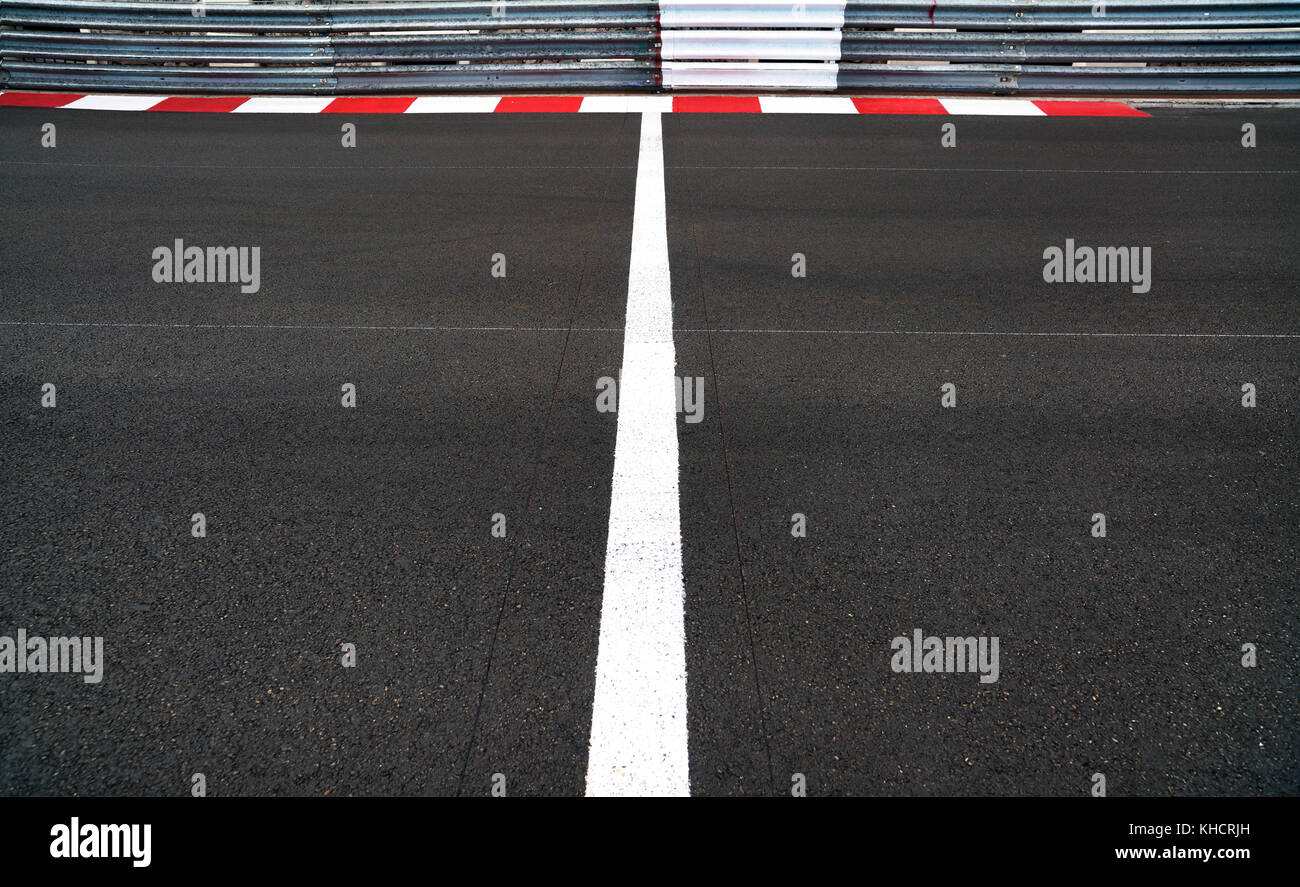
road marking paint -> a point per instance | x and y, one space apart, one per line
603 104
212 104
534 104
115 102
625 104
643 103
638 719
35 99
1077 108
350 104
454 104
288 104
718 75
994 107
898 106
807 104
716 104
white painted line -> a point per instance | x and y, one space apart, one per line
807 104
114 102
454 104
638 719
287 104
992 107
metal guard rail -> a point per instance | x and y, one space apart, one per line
1135 47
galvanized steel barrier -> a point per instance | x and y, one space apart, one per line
1133 47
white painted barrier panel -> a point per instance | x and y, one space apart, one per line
819 76
751 13
793 45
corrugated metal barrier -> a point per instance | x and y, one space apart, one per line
1133 47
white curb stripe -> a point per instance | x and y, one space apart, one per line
626 104
806 104
454 104
638 719
114 103
291 104
993 107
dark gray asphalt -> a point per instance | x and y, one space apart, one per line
368 526
1118 655
477 396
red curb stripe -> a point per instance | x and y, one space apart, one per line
369 105
569 104
218 104
899 106
716 104
538 103
36 99
1089 109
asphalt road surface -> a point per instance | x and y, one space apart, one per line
478 408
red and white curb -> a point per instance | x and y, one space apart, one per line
612 104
